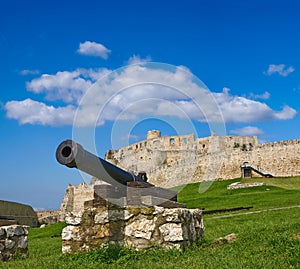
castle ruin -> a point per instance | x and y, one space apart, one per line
176 160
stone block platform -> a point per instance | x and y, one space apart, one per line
134 226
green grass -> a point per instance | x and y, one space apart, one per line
279 192
270 239
289 183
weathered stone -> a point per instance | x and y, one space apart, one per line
23 242
105 216
139 243
127 215
114 215
101 217
67 232
172 214
226 239
239 185
73 218
66 249
2 232
14 230
158 210
13 240
9 244
25 229
140 228
171 232
101 231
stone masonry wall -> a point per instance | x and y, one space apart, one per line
49 216
74 199
176 160
13 241
137 227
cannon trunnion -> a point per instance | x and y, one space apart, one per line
121 184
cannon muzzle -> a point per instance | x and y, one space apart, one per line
71 154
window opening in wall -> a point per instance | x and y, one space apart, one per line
203 146
184 140
172 140
136 146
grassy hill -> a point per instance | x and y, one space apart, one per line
278 192
269 237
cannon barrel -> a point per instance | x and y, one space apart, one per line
73 155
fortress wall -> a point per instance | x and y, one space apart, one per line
171 161
82 193
49 216
280 158
75 196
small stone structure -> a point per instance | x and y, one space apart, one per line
133 226
13 241
249 169
239 185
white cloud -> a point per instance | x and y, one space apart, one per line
136 90
247 131
136 59
93 49
264 96
280 69
240 109
66 86
132 137
29 72
33 112
285 114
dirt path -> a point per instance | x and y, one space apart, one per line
253 212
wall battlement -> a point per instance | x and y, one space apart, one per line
178 160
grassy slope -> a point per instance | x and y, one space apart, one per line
278 192
265 240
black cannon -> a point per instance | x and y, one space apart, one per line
73 155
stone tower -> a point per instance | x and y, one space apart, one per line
153 134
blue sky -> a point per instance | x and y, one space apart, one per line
52 52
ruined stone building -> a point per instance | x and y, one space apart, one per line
176 160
